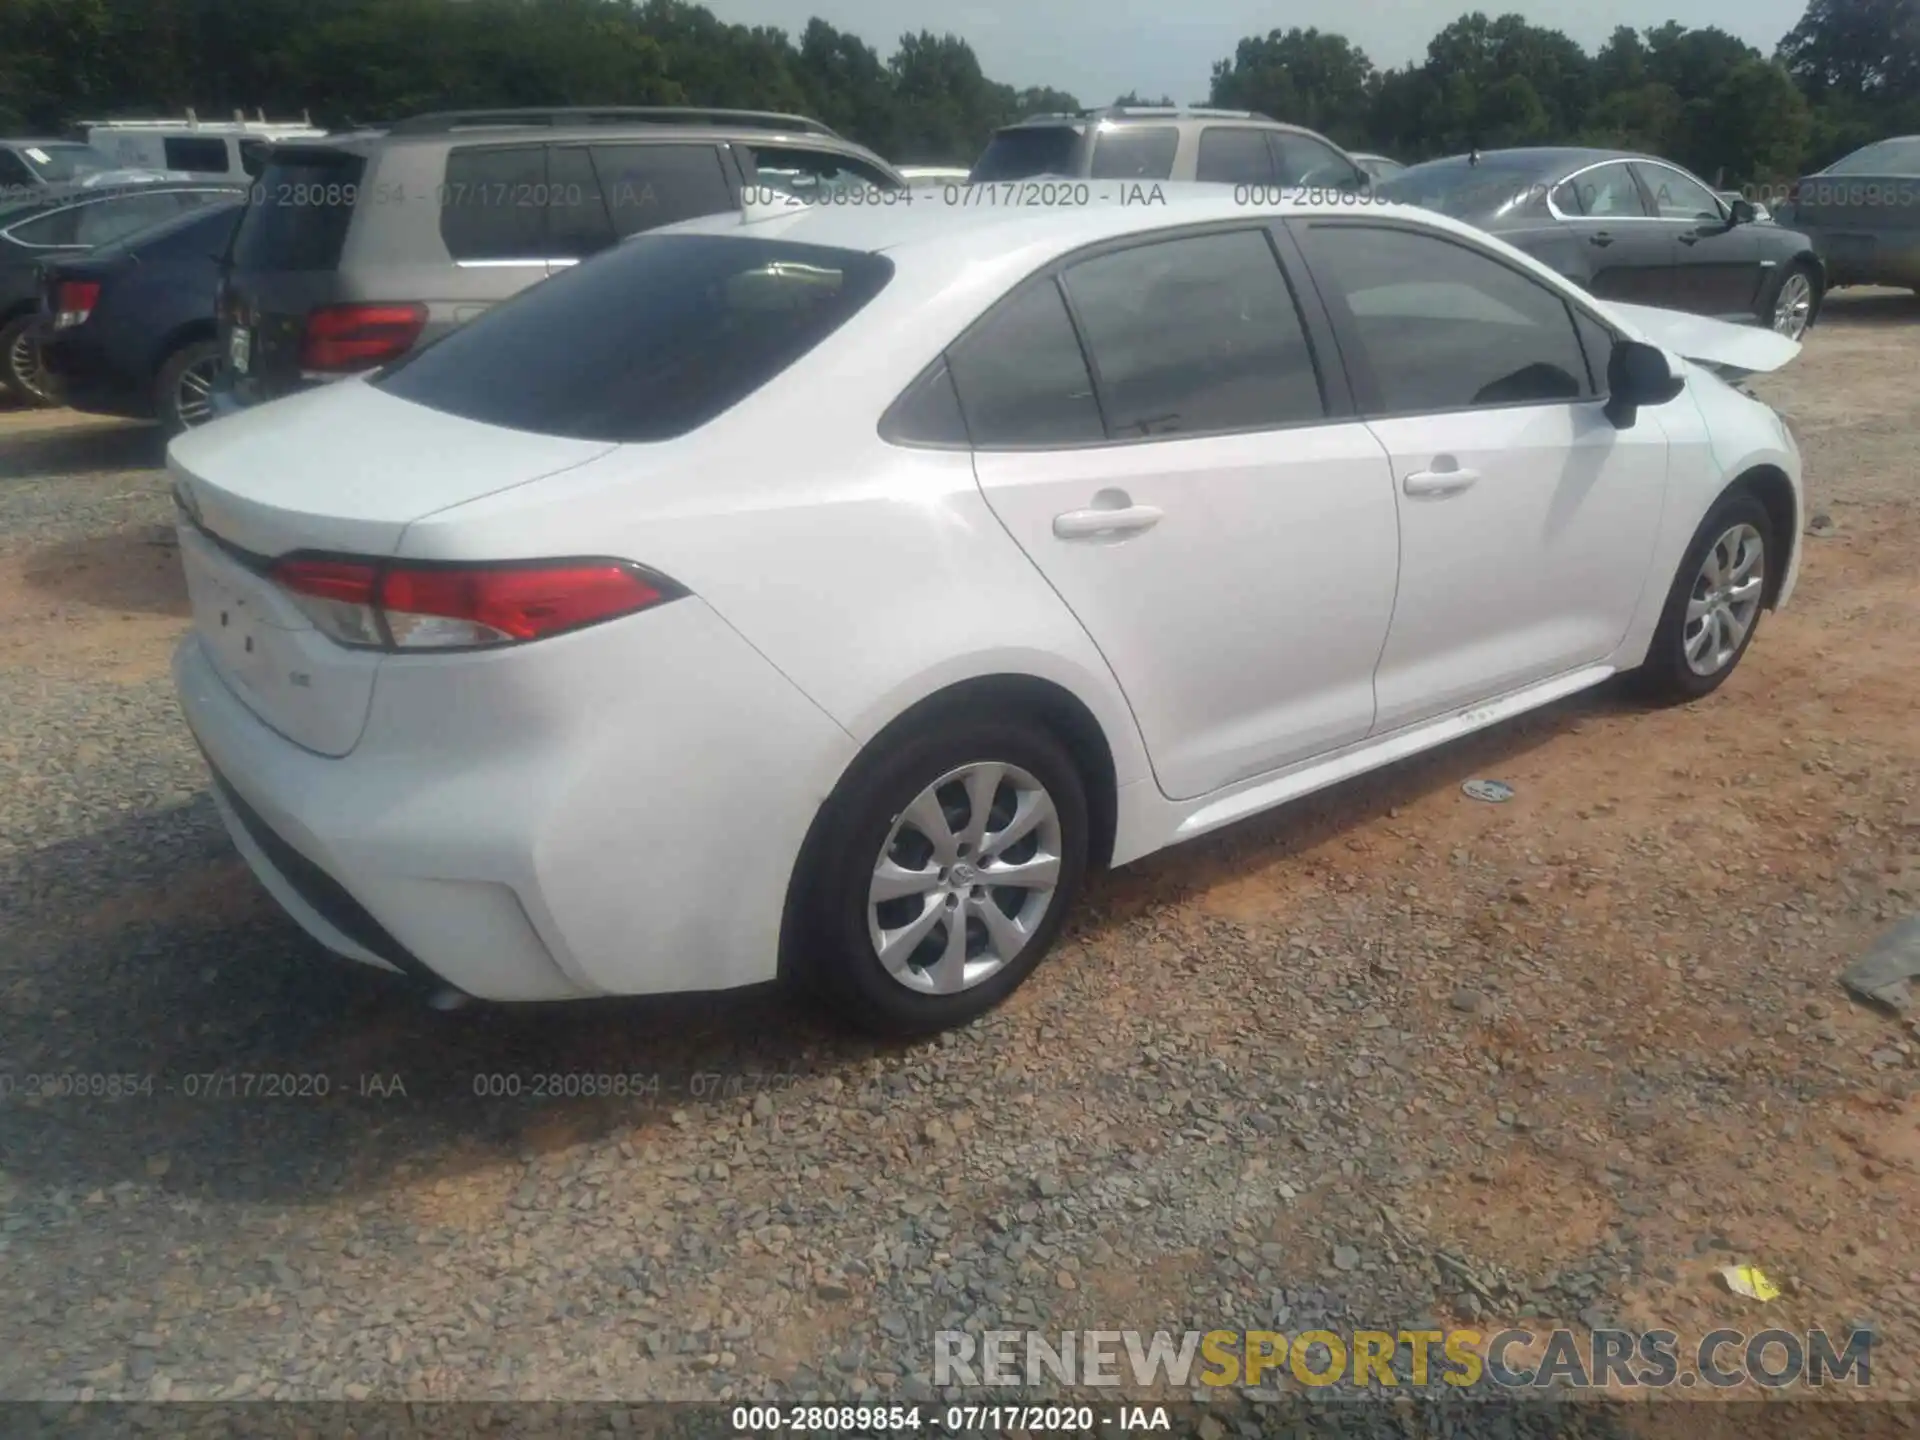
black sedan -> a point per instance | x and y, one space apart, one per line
1628 227
130 330
63 223
1863 212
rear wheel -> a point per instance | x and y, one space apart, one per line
22 374
944 869
1790 308
1714 606
183 390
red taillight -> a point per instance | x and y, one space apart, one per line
423 607
358 337
73 302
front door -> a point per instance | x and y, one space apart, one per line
1527 520
1717 264
1226 535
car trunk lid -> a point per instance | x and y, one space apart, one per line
342 470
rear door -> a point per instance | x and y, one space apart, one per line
648 185
1203 500
1716 264
1237 155
1629 256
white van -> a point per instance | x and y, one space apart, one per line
193 146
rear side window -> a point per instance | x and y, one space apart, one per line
652 185
494 203
1022 380
109 220
1441 326
1025 151
1135 152
577 221
1234 155
197 235
190 152
652 340
299 211
1195 335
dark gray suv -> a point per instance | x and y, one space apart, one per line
357 248
1153 142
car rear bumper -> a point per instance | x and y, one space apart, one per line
537 842
1866 257
81 375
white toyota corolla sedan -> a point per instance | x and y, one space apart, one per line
823 595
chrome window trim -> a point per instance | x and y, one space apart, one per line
1555 211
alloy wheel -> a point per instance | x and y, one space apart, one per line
965 877
193 396
24 367
1725 600
1793 306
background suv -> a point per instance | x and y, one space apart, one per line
358 247
1138 142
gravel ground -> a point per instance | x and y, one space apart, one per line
1392 1055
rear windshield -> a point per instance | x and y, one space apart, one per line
648 341
1025 151
1883 157
298 211
1453 187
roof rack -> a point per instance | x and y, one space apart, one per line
440 122
1114 112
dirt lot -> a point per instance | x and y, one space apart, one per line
1390 1056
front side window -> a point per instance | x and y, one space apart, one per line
654 339
1135 152
1303 160
1441 326
195 152
577 221
1021 378
1195 335
1677 196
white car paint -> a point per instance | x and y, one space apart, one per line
619 809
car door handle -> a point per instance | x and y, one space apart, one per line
1603 239
1692 237
1439 482
1122 520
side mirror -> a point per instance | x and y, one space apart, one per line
1743 212
1637 375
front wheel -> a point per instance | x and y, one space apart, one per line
1714 606
944 869
1790 309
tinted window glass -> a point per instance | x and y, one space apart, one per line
1303 160
1467 192
1195 335
197 235
816 176
299 211
1602 191
651 185
195 153
577 221
253 156
65 161
55 227
1235 155
1020 153
13 172
651 340
1021 376
1677 196
494 204
1444 327
928 413
1597 342
1883 157
109 220
1135 152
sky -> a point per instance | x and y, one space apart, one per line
1100 49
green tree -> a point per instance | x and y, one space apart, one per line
1305 77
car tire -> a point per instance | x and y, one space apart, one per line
885 813
20 377
1703 632
183 388
1798 278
